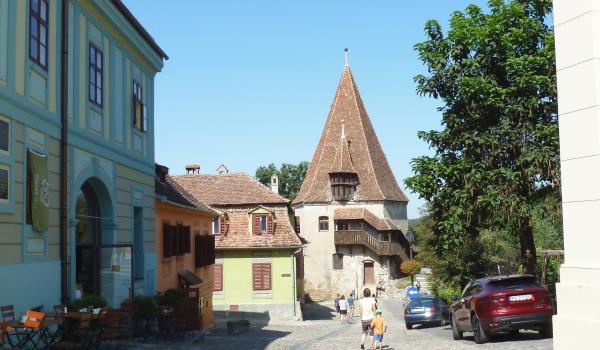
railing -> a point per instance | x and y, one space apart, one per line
360 237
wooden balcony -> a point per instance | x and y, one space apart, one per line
360 237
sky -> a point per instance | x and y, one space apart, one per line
250 83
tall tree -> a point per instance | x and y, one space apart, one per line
498 151
290 176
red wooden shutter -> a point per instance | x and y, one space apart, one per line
222 225
261 276
256 224
187 239
270 223
218 278
167 251
297 224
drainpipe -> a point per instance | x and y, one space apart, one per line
295 317
64 100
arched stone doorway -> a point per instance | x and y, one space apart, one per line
93 230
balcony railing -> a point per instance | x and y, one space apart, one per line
360 237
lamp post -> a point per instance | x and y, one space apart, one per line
410 237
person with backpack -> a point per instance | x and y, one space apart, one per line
367 306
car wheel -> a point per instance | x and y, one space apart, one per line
478 332
456 334
547 332
513 332
409 326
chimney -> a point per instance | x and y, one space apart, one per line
193 169
275 183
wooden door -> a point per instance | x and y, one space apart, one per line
369 273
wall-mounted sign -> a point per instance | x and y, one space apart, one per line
4 135
4 183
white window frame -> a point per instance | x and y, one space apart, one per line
216 226
263 220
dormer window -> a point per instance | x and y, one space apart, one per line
262 224
216 226
343 186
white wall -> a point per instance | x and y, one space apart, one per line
577 29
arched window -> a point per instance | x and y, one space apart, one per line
323 223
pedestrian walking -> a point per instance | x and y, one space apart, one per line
337 305
379 326
418 286
351 305
367 307
343 303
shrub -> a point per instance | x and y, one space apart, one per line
144 307
171 298
411 267
88 300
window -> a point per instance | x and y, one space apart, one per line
38 32
216 226
261 276
343 186
204 247
95 75
218 278
138 242
140 117
338 261
4 136
262 223
323 223
176 240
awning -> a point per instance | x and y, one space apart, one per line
187 277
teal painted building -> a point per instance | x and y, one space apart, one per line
110 229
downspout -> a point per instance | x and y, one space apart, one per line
64 100
294 315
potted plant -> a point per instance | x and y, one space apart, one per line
88 301
144 311
168 303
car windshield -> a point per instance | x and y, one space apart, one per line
513 283
421 303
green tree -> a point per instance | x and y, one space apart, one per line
497 154
290 176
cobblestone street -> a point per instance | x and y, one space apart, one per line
329 334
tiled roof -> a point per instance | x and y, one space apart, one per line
228 189
376 180
365 215
239 234
236 195
170 190
342 162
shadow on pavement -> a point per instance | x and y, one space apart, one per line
318 311
502 338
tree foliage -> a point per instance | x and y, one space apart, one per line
497 154
290 176
411 267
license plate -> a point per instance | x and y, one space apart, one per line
417 309
520 297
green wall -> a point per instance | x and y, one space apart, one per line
237 278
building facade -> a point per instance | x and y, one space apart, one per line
350 209
184 245
257 251
577 33
106 240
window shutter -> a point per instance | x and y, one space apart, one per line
210 244
222 226
297 224
270 224
187 246
198 251
256 224
218 278
261 276
167 251
256 277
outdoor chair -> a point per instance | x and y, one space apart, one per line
82 336
11 332
4 327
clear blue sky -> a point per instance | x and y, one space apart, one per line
250 82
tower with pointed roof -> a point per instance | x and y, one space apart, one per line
350 208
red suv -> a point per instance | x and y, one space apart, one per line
501 304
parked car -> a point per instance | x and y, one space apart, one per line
426 310
502 304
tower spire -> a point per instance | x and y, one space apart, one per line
346 56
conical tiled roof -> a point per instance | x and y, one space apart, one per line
363 152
